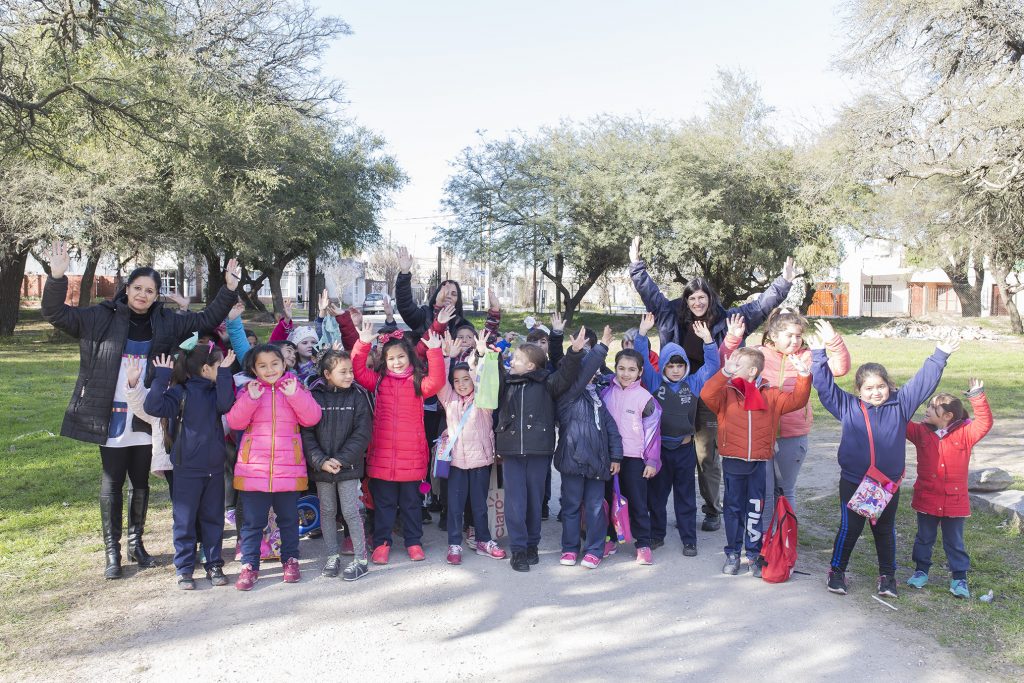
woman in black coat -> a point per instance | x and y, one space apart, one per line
132 325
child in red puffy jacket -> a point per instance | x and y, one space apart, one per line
944 440
397 459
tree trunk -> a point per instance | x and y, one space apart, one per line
572 301
313 295
249 291
12 275
274 276
1009 291
959 272
88 279
559 270
215 274
180 284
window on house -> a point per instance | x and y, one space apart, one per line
878 294
168 281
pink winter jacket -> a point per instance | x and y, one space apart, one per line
475 445
780 373
270 456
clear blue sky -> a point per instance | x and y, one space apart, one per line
429 75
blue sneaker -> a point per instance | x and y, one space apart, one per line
918 580
958 587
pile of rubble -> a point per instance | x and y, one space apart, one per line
915 329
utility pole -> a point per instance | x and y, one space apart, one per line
439 278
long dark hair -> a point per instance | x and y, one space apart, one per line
141 271
418 370
188 364
699 284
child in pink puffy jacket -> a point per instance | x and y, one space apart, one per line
271 467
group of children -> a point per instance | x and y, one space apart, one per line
354 421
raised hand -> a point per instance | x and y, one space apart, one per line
737 326
366 333
700 328
731 366
164 361
432 341
799 364
183 301
482 346
557 324
289 386
606 337
232 274
235 311
646 324
447 343
404 260
580 340
389 308
288 309
59 259
949 345
445 315
814 341
229 359
255 390
634 250
825 330
324 303
493 303
789 271
133 370
356 315
974 384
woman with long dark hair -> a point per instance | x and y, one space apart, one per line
134 324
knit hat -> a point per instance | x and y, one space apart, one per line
302 332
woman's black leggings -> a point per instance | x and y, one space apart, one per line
131 462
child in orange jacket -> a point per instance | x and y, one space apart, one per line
944 440
749 412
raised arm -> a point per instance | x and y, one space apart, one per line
925 381
834 399
755 312
69 319
366 377
225 385
161 400
589 366
651 377
436 376
236 331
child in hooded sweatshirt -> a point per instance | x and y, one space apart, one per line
589 453
749 412
677 392
638 417
271 469
944 440
874 422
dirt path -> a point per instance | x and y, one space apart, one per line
678 620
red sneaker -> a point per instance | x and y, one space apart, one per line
381 554
416 553
247 578
454 554
346 546
291 571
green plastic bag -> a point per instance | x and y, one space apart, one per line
487 387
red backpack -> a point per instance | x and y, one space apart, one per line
778 552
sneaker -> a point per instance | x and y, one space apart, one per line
315 533
918 580
381 554
216 576
489 549
887 586
454 554
745 561
186 582
356 569
427 519
567 560
657 543
416 553
230 517
247 578
332 566
644 556
545 513
519 562
732 564
532 556
590 561
346 546
711 523
689 550
837 581
291 571
755 569
610 548
958 587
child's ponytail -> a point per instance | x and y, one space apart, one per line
189 364
778 320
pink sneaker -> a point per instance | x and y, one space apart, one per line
346 546
490 549
291 571
643 556
590 561
416 553
610 548
568 559
247 578
454 554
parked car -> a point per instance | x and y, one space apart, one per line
373 303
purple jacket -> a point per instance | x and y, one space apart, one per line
641 434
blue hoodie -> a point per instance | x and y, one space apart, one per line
888 421
678 400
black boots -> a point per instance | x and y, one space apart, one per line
137 505
110 515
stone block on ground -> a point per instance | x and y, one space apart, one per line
988 480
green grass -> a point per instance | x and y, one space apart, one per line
986 632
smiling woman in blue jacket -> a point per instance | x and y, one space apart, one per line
887 410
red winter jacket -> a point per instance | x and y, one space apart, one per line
398 450
941 487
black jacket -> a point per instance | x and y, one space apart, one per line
343 432
101 331
526 408
198 446
588 437
418 318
